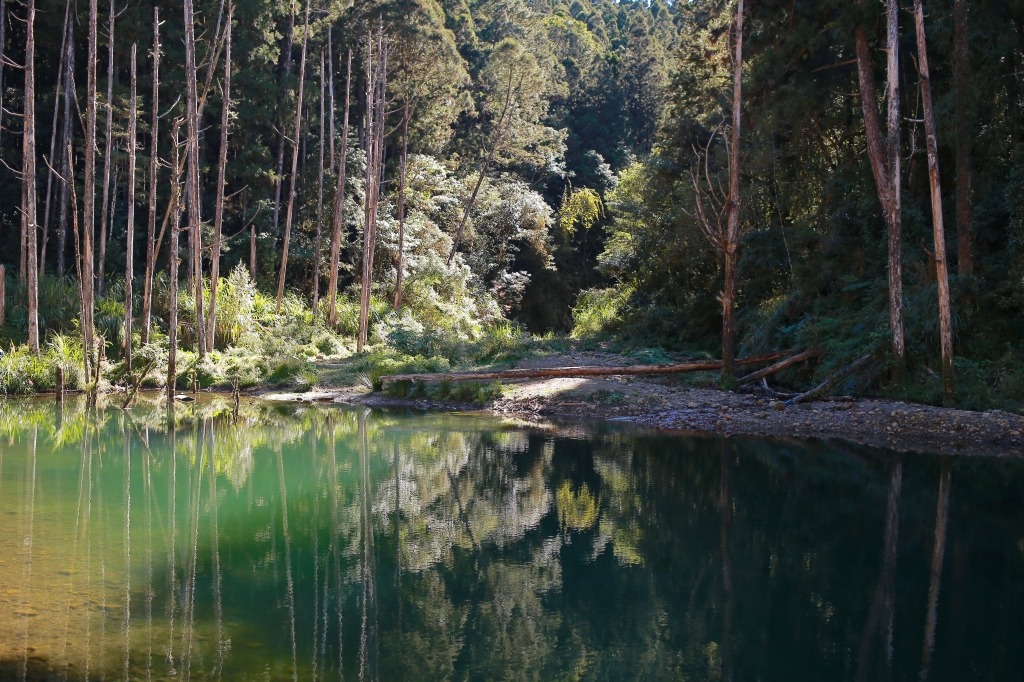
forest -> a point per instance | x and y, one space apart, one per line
208 192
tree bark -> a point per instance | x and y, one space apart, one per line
330 89
102 256
61 67
732 235
938 229
222 163
89 191
319 196
295 165
28 177
129 266
3 44
280 137
401 206
339 203
885 163
172 266
778 367
192 177
961 94
66 134
154 166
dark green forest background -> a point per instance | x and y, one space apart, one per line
618 97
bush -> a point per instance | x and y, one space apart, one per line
598 311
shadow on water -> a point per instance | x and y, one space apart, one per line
324 543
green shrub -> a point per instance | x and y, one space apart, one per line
598 311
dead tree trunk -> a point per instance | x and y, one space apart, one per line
376 90
172 266
79 260
961 94
28 177
102 256
129 266
3 37
885 162
295 162
280 137
319 197
330 89
154 166
68 171
222 164
339 204
192 177
401 205
732 236
61 67
89 190
938 229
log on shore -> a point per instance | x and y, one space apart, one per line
824 386
778 366
584 371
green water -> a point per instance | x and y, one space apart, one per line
296 542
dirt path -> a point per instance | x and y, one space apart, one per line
667 403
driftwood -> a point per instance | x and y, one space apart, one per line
586 371
823 386
778 366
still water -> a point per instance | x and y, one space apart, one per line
296 542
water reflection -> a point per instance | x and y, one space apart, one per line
290 542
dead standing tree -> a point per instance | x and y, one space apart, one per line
339 204
884 156
319 194
89 191
129 267
938 229
295 164
718 213
147 294
54 146
192 176
101 257
222 163
28 178
376 94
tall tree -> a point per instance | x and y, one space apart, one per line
400 266
54 146
3 44
339 204
330 88
938 230
192 176
295 162
319 195
154 166
89 190
885 161
732 236
28 177
280 137
172 266
129 266
66 121
963 134
107 154
222 163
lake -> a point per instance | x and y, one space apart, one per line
294 541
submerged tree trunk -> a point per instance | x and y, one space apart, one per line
938 229
885 163
339 204
280 137
66 133
192 177
28 177
129 267
401 205
147 294
319 197
102 256
295 162
961 90
222 163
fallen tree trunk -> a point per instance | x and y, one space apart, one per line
553 372
822 387
778 367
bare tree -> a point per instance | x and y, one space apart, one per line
172 265
938 230
295 162
281 137
319 197
330 88
222 163
885 162
961 95
154 165
61 66
376 95
28 177
3 44
129 267
192 175
102 256
400 266
89 192
339 204
69 95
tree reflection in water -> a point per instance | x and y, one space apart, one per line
476 548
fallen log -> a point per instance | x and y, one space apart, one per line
823 386
778 366
584 371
